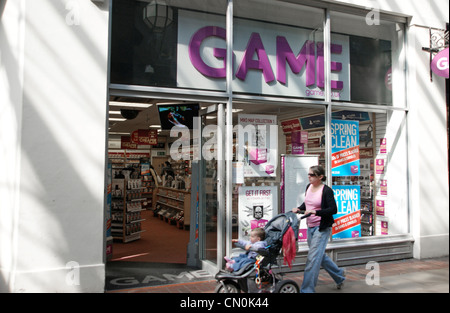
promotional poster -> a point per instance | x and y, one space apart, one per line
347 221
258 137
345 148
257 206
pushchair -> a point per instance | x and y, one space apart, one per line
259 277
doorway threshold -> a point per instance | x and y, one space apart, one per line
122 275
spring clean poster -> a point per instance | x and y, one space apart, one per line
347 221
345 148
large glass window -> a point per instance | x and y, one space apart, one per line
373 63
369 173
171 43
278 48
273 149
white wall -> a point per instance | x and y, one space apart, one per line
11 81
429 194
54 93
430 13
427 125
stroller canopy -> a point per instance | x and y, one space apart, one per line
282 232
277 227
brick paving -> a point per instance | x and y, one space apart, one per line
354 274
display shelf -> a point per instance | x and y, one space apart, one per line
126 209
173 206
148 190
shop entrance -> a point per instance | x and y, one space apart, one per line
150 193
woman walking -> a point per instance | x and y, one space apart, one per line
320 203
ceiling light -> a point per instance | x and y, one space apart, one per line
166 103
154 126
158 15
130 104
117 119
118 133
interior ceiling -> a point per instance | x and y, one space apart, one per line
149 116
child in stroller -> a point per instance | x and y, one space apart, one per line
256 242
281 234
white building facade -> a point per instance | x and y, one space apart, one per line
56 80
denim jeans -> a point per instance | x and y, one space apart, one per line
317 242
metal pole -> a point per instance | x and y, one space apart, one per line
220 186
327 71
229 130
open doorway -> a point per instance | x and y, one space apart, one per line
149 194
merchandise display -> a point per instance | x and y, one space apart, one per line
136 187
127 196
173 206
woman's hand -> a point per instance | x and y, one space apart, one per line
295 210
312 212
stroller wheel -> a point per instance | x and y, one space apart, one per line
230 287
287 286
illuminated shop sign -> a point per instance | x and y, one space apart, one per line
269 59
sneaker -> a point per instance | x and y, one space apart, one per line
341 284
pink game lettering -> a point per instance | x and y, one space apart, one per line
307 58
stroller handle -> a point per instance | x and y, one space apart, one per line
305 216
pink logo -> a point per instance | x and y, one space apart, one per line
439 65
310 56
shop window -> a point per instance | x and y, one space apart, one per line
372 70
271 135
369 174
368 163
278 49
153 46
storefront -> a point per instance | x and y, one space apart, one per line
258 91
350 116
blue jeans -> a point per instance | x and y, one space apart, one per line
317 242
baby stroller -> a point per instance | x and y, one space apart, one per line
259 277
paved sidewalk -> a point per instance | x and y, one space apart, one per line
405 276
